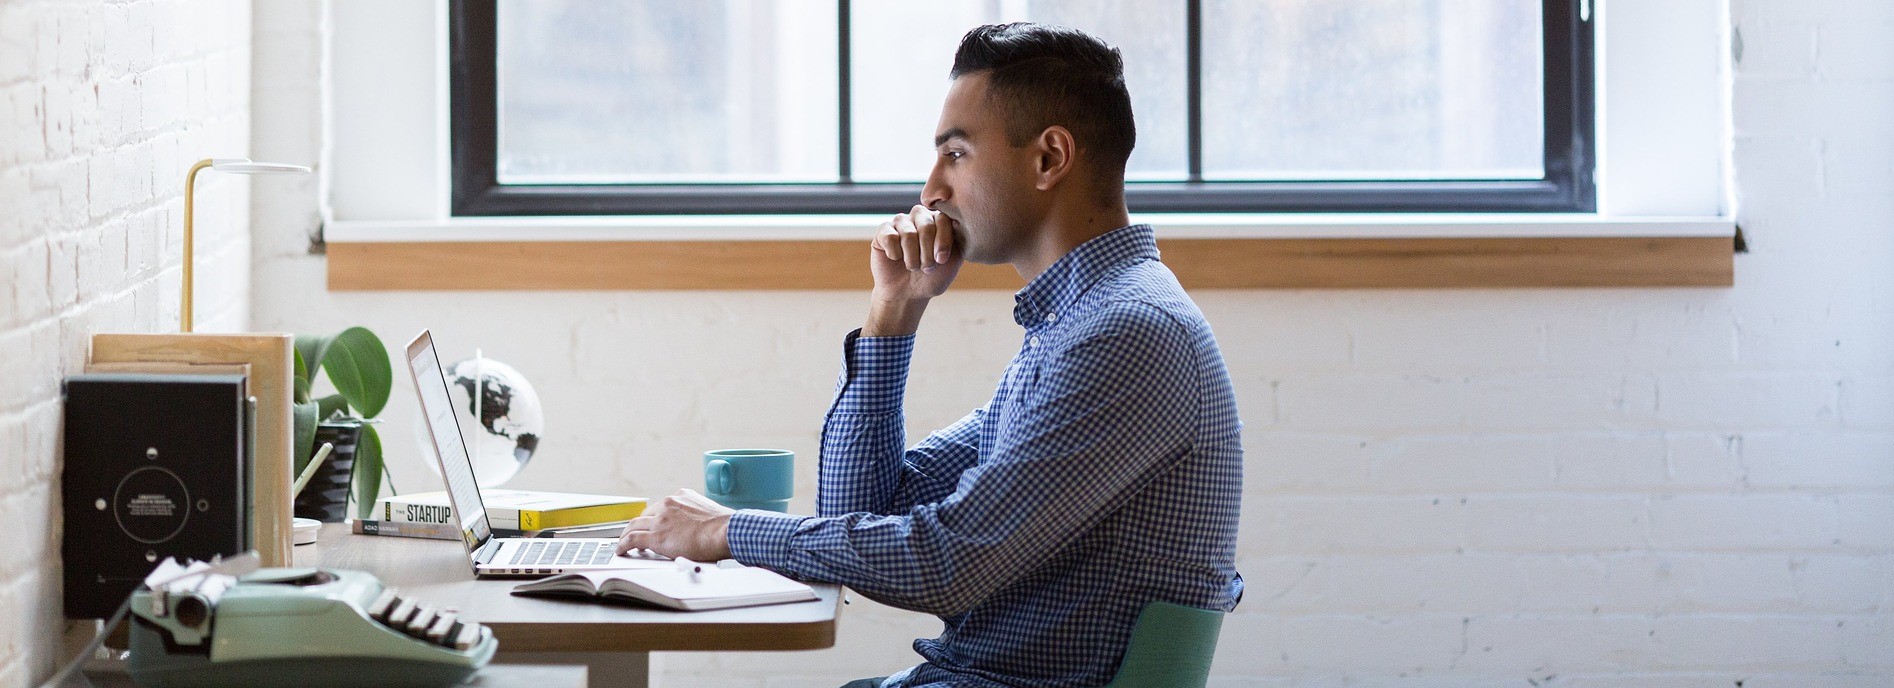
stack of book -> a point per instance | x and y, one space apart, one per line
267 362
510 513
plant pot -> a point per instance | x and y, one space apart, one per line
326 497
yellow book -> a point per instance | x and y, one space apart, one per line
515 509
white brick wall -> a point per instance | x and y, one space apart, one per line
103 106
1583 488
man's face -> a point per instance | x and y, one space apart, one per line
979 179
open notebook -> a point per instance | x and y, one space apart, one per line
687 585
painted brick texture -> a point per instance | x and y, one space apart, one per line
103 106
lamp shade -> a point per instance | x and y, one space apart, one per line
246 166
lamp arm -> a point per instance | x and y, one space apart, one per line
190 183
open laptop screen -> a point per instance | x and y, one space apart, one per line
455 464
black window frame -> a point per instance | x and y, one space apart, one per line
1568 185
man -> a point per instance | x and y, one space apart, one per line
1105 472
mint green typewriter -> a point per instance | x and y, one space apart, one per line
300 627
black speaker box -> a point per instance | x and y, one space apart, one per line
155 466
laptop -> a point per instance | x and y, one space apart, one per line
495 556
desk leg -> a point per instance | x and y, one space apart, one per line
627 669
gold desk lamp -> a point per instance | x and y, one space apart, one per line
233 166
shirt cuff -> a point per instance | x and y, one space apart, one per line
875 373
761 538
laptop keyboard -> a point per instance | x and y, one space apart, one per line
556 553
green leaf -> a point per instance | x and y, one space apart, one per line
302 379
358 366
328 406
367 470
310 348
305 427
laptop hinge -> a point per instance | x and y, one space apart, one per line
487 551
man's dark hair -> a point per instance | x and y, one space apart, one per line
1042 75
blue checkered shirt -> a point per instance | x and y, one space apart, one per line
1105 473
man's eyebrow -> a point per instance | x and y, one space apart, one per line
945 136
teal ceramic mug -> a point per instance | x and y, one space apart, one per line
750 478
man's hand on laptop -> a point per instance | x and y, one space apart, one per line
685 524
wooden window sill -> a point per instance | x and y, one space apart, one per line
1230 263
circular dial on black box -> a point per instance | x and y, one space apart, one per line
151 505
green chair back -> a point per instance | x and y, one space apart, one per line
1171 647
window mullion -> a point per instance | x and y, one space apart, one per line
1193 64
845 171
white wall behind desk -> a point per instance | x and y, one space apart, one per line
1619 487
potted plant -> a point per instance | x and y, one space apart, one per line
358 367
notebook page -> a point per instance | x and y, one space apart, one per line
712 583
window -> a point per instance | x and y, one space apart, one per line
824 106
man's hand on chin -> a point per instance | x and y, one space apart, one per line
914 257
685 524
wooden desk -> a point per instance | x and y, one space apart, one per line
112 675
612 640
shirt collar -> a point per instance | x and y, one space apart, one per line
1067 279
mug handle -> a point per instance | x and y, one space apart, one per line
718 478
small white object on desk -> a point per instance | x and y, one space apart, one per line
307 530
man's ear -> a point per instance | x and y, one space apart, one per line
1056 156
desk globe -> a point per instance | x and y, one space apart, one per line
501 425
